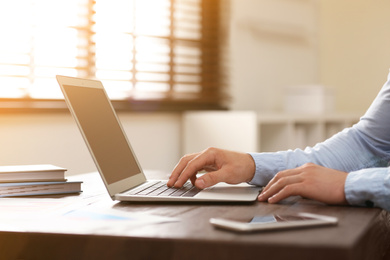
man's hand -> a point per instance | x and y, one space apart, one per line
310 181
220 165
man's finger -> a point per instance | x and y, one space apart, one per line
209 179
280 184
179 168
279 175
198 163
287 191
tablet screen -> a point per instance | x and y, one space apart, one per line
277 218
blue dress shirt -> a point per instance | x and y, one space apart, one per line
362 150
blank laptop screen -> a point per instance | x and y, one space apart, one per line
103 133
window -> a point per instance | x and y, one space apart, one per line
144 51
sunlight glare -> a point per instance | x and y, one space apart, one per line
39 42
125 42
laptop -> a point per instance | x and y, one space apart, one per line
115 159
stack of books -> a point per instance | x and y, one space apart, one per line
31 180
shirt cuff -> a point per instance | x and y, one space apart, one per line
267 165
368 187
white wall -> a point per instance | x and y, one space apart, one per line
355 50
340 44
273 45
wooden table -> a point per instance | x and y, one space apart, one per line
362 233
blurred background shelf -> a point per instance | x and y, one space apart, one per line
288 131
248 131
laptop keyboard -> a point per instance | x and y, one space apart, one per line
160 188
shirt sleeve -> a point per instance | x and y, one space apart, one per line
362 150
369 187
346 151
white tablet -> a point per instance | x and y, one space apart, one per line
274 222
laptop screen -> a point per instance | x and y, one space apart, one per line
103 133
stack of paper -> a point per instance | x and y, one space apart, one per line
28 180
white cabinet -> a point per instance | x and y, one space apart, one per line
232 130
287 131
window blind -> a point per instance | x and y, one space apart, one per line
142 50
